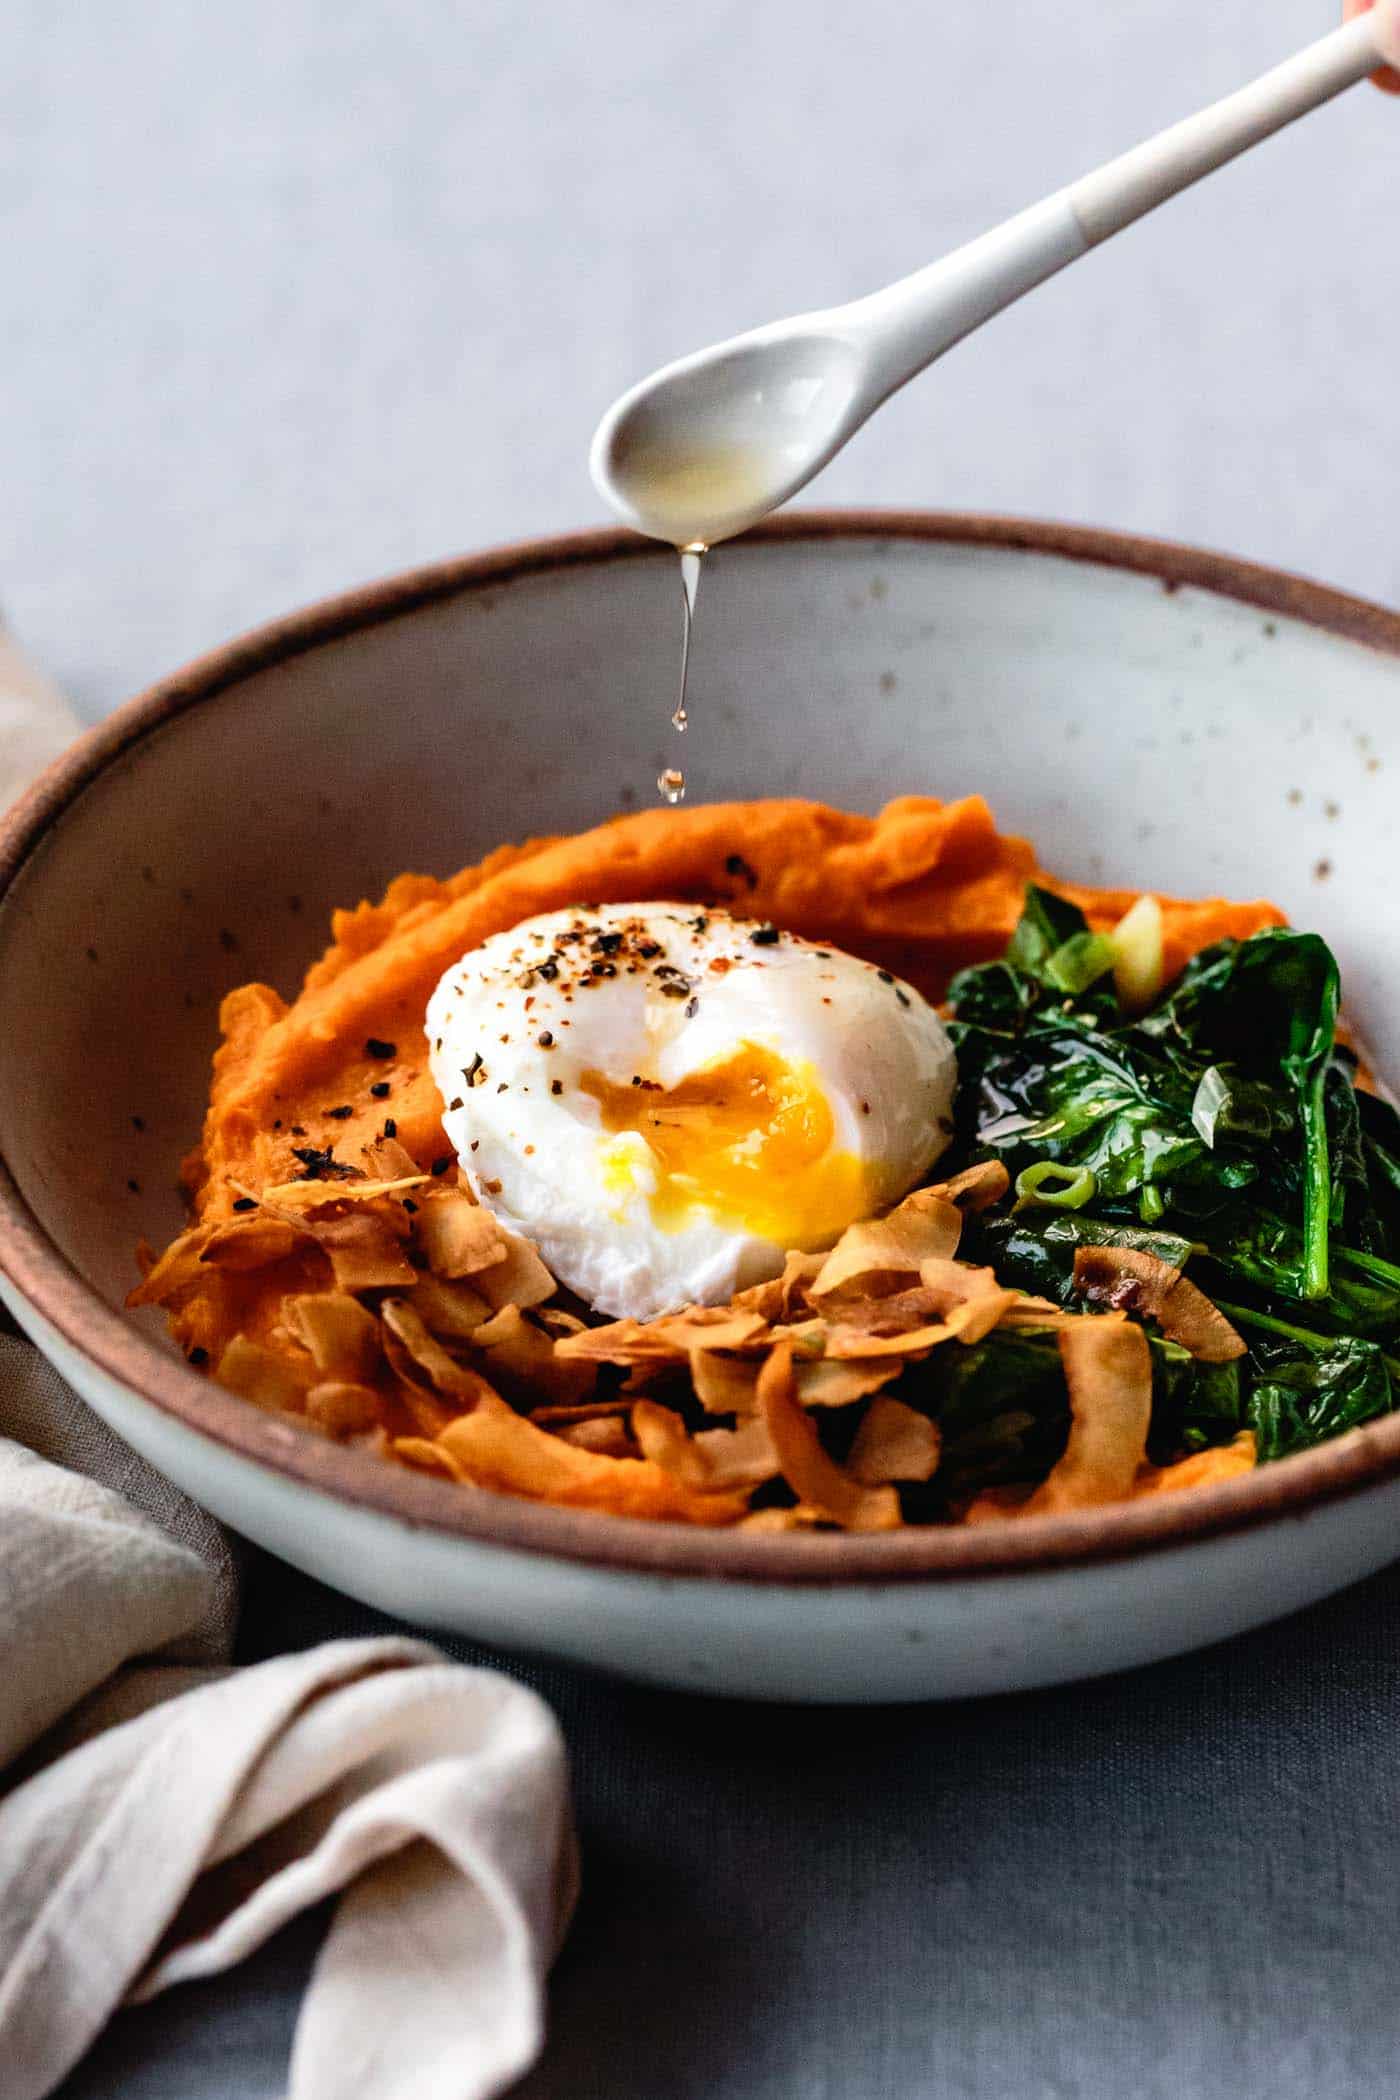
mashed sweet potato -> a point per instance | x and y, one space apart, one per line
334 1267
921 889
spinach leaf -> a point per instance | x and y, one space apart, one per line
1302 1396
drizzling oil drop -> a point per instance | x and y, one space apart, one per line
671 781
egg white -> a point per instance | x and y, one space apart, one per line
514 1025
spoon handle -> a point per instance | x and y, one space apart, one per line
1123 189
908 324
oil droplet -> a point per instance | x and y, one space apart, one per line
671 784
691 558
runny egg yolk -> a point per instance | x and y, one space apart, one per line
747 1140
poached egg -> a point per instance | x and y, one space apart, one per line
667 1099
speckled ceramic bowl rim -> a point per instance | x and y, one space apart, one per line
1362 1459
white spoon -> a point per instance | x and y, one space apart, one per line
708 445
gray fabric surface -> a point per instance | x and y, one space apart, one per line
1176 1885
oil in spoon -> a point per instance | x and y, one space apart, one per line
671 780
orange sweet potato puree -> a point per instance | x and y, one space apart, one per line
921 889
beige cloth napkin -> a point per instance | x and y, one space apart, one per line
35 721
175 1812
162 1814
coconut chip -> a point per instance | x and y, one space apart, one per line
894 1442
339 1334
343 1408
1134 1281
520 1356
879 1255
1108 1369
815 1478
419 1359
261 1375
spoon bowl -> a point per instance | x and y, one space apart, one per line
709 445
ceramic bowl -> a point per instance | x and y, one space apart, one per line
1145 713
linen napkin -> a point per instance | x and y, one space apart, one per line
35 720
161 1813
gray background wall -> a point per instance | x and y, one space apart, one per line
293 292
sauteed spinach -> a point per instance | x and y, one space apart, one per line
1223 1131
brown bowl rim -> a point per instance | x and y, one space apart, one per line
57 1293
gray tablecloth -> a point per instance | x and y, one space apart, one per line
1175 1885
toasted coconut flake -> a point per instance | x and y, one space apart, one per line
324 1195
1201 1469
557 1322
521 1279
881 1255
713 1459
664 1439
606 1434
459 1237
977 1187
343 1408
894 1442
711 1327
499 1449
177 1269
725 1385
339 1334
391 1161
425 1456
146 1258
419 1359
1132 1280
250 1243
586 1411
779 1298
453 1309
814 1477
621 1342
364 1251
1108 1369
950 1284
742 1457
777 1520
518 1354
261 1375
914 1342
833 1382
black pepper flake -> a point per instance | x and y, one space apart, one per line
246 1203
417 1259
649 950
380 1090
409 1204
607 943
321 1164
699 923
277 1122
297 1130
903 997
503 1086
492 1188
455 1102
556 1086
765 936
545 1039
737 865
381 1051
198 1355
341 1114
636 1079
549 969
671 990
470 1071
391 1128
823 954
476 1144
885 976
692 1008
440 1166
